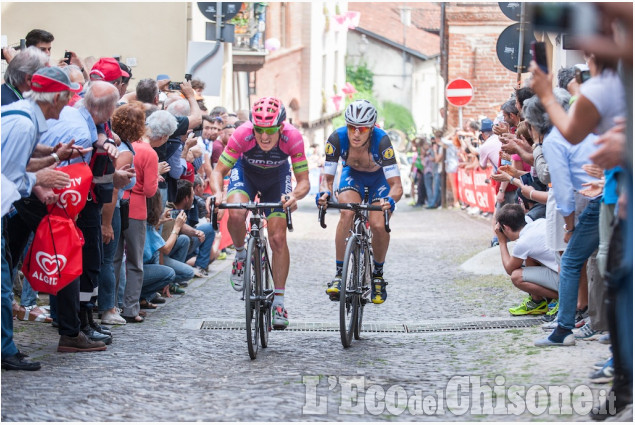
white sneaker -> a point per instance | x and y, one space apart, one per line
238 273
110 318
280 319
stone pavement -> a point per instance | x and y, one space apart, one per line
170 368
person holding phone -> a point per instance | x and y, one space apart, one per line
489 154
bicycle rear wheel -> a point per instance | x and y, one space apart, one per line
349 297
253 289
265 308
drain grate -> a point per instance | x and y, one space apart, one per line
469 325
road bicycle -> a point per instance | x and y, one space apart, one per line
258 288
356 285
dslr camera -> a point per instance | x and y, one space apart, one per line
176 85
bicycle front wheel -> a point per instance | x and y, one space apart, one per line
265 308
349 291
365 283
253 289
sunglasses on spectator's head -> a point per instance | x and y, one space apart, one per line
267 130
361 129
229 126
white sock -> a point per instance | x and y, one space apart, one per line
278 297
241 252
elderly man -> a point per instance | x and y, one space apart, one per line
17 77
96 109
81 125
23 122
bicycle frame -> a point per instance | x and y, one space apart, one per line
356 274
257 292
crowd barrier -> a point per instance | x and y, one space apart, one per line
475 188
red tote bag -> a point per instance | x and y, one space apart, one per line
55 257
72 198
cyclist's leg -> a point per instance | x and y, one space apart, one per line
377 191
239 190
272 190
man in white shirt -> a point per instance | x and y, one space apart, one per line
539 276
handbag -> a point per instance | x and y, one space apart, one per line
55 257
124 211
72 198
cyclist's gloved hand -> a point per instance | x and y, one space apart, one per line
391 202
319 195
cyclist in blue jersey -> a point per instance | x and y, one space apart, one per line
368 159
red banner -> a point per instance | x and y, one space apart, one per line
475 188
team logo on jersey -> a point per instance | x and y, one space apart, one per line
298 155
388 153
329 149
231 150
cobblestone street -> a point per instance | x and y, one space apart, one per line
176 367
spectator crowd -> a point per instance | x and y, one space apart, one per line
150 151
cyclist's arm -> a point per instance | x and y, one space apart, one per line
391 168
332 156
396 191
216 180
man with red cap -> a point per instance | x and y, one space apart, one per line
108 69
23 122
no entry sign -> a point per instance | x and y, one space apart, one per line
459 92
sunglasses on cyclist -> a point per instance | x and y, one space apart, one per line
267 130
361 129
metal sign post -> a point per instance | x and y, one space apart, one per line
521 44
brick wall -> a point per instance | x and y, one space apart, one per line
281 75
472 30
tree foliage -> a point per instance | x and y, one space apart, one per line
361 77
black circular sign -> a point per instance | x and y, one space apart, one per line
511 10
507 47
228 10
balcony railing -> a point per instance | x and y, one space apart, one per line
249 28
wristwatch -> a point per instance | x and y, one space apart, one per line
567 230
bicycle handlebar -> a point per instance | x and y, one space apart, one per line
250 206
354 206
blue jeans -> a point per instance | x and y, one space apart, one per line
155 278
176 260
428 178
583 242
8 346
437 189
107 282
28 297
202 250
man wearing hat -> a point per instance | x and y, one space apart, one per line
23 122
108 69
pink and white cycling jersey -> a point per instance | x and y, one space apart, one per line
243 145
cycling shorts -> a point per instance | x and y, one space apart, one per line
271 183
376 183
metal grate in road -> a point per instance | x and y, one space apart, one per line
453 326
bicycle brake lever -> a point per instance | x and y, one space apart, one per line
386 224
214 213
321 216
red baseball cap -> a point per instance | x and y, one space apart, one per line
107 69
52 79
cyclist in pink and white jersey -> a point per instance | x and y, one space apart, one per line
257 155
